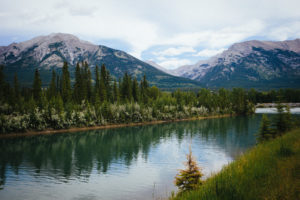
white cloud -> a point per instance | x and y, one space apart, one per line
285 31
175 51
174 63
209 52
181 26
217 38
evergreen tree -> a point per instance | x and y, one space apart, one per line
264 130
52 88
224 99
16 88
105 78
283 122
189 178
58 85
288 117
126 90
4 86
154 92
135 90
97 83
2 79
37 86
65 84
59 105
239 101
144 89
77 84
102 91
116 93
83 83
89 85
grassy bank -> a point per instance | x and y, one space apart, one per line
268 171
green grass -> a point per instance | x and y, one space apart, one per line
268 171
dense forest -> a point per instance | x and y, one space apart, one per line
105 100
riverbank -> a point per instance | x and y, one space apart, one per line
273 105
108 126
268 171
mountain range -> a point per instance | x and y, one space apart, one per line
250 64
49 52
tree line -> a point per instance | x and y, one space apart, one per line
106 100
282 123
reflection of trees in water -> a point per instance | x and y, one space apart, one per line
76 154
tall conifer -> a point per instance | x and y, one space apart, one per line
135 90
37 86
52 88
65 84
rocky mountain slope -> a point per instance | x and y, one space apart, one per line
49 52
257 64
157 66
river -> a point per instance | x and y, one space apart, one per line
122 163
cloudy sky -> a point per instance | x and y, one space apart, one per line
171 33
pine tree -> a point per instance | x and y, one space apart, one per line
284 118
37 86
83 87
281 121
58 85
16 88
105 78
116 93
126 89
59 105
144 89
97 83
189 178
2 80
52 88
102 91
65 84
264 130
5 90
89 85
77 85
288 117
2 83
135 90
239 101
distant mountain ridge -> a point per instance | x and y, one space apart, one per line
157 66
49 52
257 64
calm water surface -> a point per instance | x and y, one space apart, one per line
125 163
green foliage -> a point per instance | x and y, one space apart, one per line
283 124
37 86
111 101
16 100
78 92
144 90
52 87
268 171
189 178
135 90
126 88
65 83
284 118
264 130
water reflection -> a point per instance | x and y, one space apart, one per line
64 158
